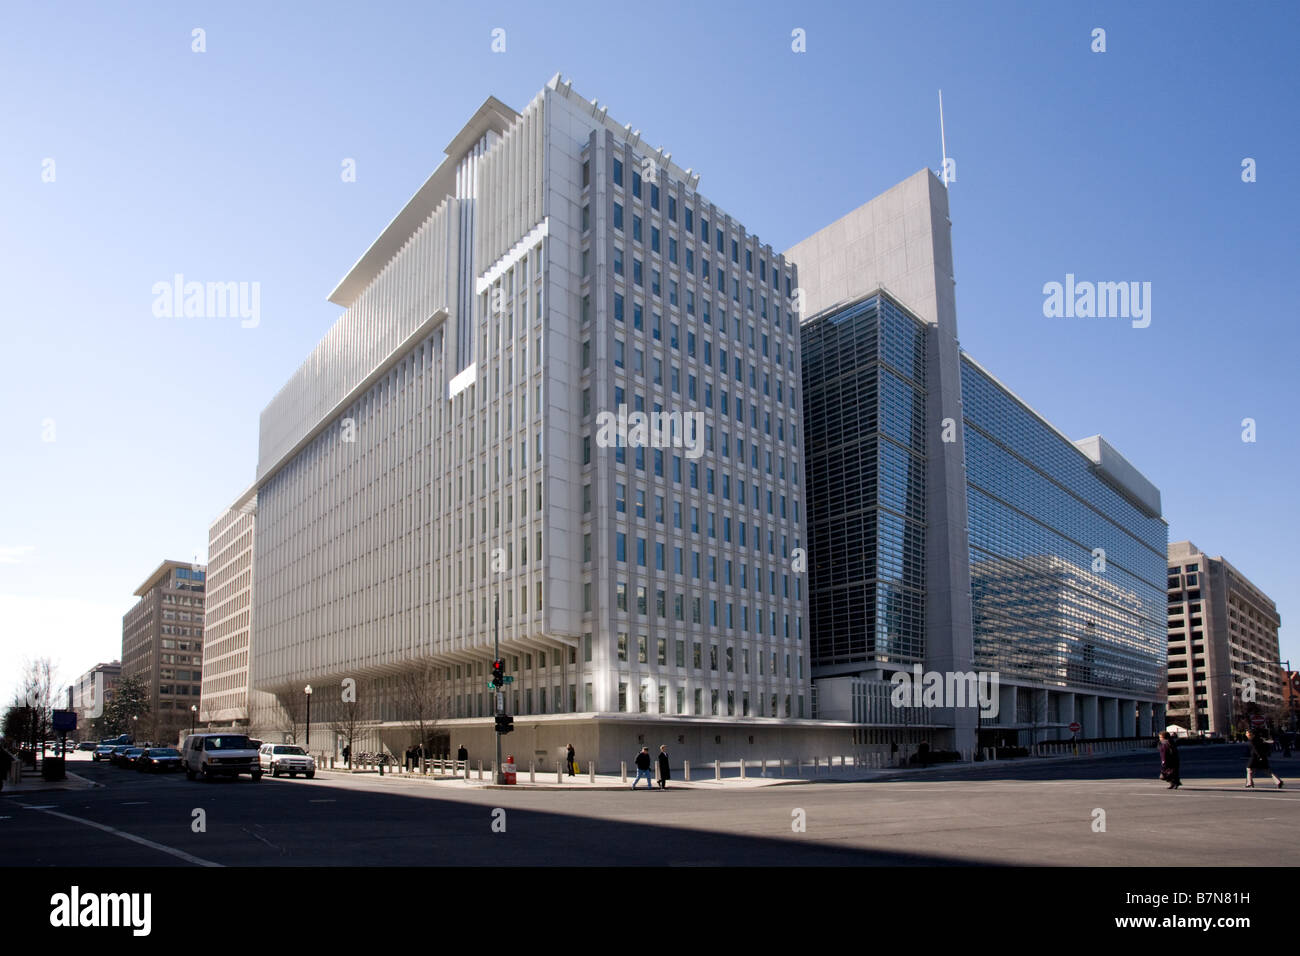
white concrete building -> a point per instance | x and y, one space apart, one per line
441 454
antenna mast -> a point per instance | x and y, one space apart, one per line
943 145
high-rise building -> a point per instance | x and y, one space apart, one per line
950 526
162 644
228 613
469 445
1223 646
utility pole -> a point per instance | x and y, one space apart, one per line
499 776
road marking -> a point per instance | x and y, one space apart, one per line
134 803
180 854
322 801
46 806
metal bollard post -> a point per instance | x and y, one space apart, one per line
532 772
742 768
783 766
762 768
622 769
480 769
559 773
591 771
686 771
717 769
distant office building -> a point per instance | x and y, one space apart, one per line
228 615
462 447
1223 645
162 643
950 526
90 693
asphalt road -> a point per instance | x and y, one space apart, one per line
1030 814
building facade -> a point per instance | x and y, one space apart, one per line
162 645
468 450
1223 646
951 528
228 613
90 693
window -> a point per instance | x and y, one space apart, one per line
618 173
618 216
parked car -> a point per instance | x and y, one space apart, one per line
87 745
219 755
159 760
125 756
103 752
276 759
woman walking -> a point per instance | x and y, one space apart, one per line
1258 760
1169 760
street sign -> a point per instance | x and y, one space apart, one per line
508 680
1075 727
1257 720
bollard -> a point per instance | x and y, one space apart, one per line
380 763
717 770
783 766
763 768
686 770
622 769
559 773
591 771
742 768
480 769
532 772
466 769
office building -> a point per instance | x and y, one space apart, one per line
90 693
950 525
228 613
453 454
1223 646
162 645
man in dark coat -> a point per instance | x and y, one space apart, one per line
569 757
643 769
664 775
462 754
1258 760
1169 760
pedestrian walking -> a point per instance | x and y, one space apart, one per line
664 774
1257 759
6 761
643 769
570 758
1169 760
462 754
347 755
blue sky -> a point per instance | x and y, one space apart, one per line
225 166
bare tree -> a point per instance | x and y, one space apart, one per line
293 707
422 700
348 718
37 696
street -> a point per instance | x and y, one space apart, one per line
1111 812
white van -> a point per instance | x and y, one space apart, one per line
219 755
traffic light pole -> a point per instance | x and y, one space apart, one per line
499 776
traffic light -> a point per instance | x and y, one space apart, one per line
505 723
498 673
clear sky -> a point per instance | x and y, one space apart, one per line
126 158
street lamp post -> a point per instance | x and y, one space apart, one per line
307 691
194 711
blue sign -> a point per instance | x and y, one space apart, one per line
65 720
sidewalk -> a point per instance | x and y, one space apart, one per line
704 777
33 782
